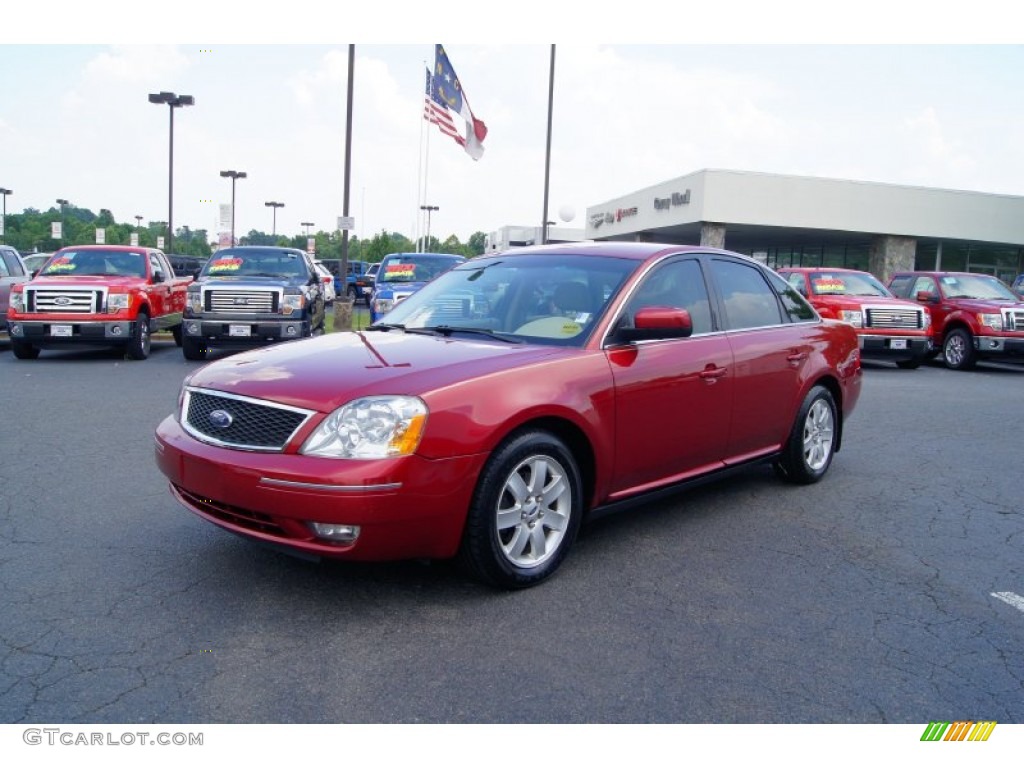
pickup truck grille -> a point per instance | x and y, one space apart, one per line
66 300
893 318
241 302
1013 319
240 422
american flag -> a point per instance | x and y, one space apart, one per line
434 111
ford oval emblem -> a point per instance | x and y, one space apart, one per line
221 419
62 301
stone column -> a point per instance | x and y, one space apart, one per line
712 235
343 314
890 254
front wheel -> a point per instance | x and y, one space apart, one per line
525 512
23 350
138 346
192 348
812 442
958 350
176 332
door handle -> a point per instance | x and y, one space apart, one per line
712 374
796 358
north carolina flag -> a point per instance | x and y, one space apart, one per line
448 91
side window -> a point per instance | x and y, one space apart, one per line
796 307
5 271
924 284
900 285
155 266
796 279
676 284
749 301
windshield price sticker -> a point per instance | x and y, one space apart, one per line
400 270
829 285
226 265
63 264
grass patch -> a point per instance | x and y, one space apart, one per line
360 318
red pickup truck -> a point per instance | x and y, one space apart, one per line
97 295
887 328
974 316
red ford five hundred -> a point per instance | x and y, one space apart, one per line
487 415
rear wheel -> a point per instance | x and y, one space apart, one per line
525 512
808 452
23 350
958 350
193 348
138 346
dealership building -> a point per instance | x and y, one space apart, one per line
802 221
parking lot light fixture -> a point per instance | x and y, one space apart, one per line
3 222
172 100
275 205
61 202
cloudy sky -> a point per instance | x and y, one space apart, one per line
939 105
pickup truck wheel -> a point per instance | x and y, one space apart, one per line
23 350
176 333
353 294
958 350
138 346
193 348
525 512
812 442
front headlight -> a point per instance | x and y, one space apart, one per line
852 316
992 319
292 302
194 301
17 302
370 428
382 306
116 301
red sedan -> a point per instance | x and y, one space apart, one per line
488 414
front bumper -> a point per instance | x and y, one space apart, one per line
247 331
409 507
60 333
999 346
894 347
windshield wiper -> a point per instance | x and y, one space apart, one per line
385 327
448 330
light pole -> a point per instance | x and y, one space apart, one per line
171 100
61 202
275 205
307 225
428 209
234 176
3 222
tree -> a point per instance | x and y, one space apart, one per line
477 243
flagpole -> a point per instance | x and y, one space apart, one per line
547 155
420 170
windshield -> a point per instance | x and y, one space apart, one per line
95 262
262 263
545 299
415 267
846 284
975 287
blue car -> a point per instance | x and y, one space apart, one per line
402 274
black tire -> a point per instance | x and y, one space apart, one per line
192 348
511 540
958 350
176 332
910 365
812 442
139 344
23 350
353 294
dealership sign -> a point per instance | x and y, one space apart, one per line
597 219
676 198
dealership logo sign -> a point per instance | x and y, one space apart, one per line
676 198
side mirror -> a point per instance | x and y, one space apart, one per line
158 276
657 323
927 297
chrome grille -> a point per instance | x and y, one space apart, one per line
69 300
250 424
1013 319
241 302
877 317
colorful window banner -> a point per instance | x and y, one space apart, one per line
225 265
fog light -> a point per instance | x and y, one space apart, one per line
115 330
993 344
192 329
289 330
17 330
336 532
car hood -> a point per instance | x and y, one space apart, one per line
856 302
251 282
324 373
986 305
396 287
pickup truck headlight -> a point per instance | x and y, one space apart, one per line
194 301
116 301
17 302
383 306
377 427
852 316
992 319
292 302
